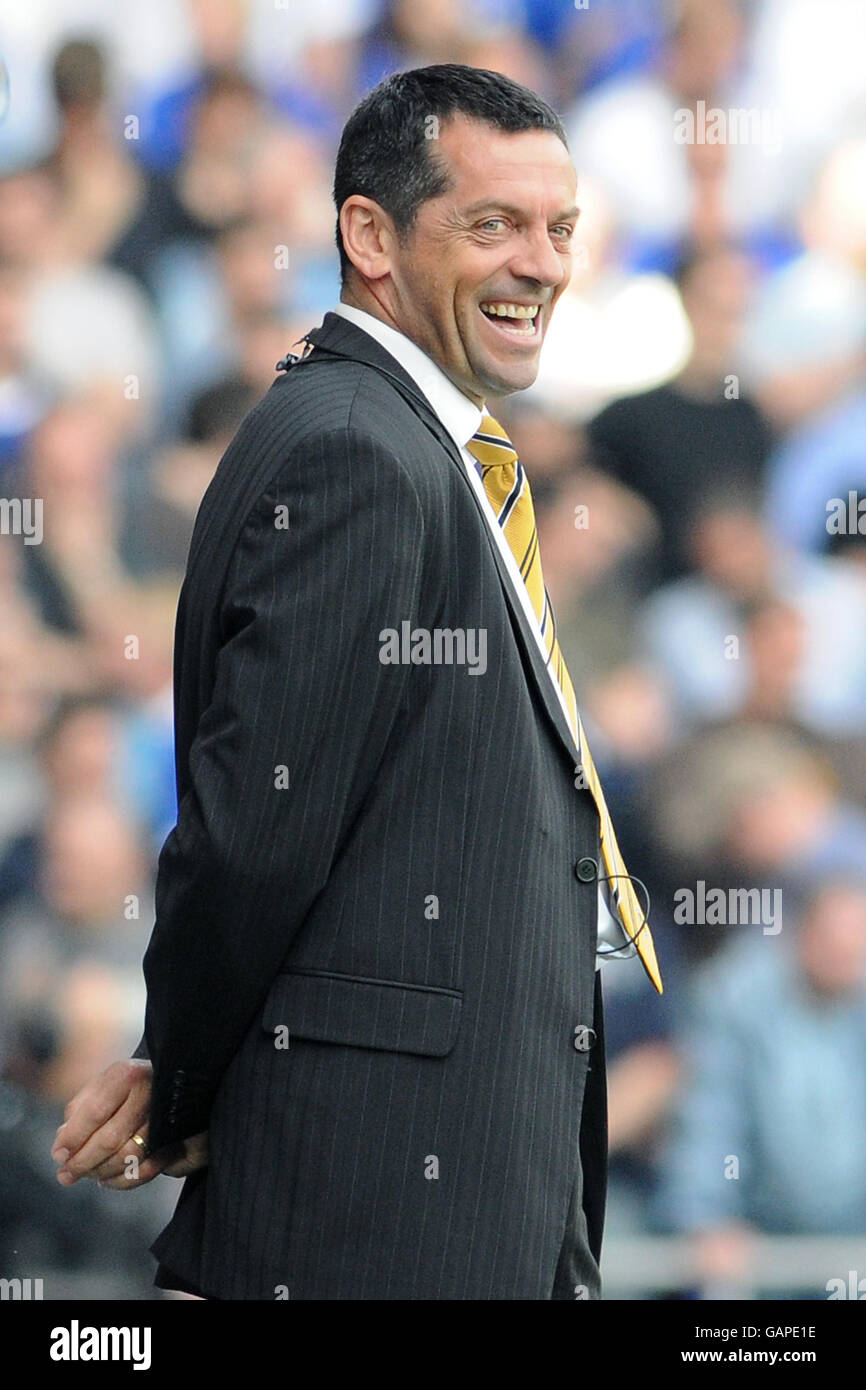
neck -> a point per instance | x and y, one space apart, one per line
700 380
369 304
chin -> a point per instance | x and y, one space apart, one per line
500 385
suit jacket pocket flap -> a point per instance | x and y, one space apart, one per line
385 1014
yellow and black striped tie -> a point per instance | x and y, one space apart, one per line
507 487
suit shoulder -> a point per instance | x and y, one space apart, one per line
311 423
319 400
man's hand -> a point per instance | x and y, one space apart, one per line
95 1139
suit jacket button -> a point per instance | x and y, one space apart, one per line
586 870
584 1037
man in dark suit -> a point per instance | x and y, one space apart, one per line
372 978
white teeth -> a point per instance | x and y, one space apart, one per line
511 311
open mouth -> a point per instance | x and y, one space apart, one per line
518 320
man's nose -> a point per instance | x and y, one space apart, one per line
538 260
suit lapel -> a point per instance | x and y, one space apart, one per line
339 337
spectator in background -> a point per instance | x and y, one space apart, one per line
111 210
833 219
595 535
74 749
24 397
505 48
608 40
808 355
409 35
301 56
757 630
76 575
752 804
30 239
598 535
118 355
218 34
771 1130
790 54
39 654
669 190
208 296
92 745
207 303
87 900
697 435
159 527
34 664
212 179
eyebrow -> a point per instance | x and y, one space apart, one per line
494 203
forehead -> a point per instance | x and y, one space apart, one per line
530 167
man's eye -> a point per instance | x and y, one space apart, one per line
564 232
492 223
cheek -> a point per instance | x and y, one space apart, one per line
463 325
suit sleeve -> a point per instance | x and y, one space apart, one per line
301 714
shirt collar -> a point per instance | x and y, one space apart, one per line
460 416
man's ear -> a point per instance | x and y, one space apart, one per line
369 236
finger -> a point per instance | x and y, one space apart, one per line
96 1103
147 1170
118 1163
108 1139
125 1164
91 1110
194 1156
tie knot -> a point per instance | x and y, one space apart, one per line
490 444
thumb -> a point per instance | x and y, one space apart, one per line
187 1157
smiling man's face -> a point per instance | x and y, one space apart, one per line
476 280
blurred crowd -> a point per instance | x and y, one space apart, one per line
695 444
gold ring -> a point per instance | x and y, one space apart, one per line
142 1144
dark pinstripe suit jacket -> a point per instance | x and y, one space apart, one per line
374 864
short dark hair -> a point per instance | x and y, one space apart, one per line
385 150
78 73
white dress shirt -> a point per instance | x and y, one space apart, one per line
461 417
